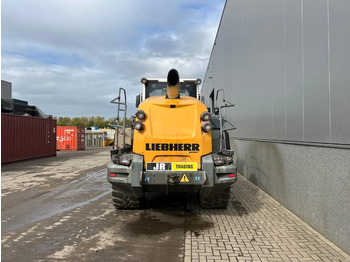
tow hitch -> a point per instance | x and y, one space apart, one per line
173 179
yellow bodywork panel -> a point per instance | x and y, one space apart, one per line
172 131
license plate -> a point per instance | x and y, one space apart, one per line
175 166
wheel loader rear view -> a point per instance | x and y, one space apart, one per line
172 146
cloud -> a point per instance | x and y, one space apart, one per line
70 57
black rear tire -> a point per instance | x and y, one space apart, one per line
121 200
216 201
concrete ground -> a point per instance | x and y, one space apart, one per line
59 209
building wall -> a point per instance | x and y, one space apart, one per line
6 90
285 65
293 58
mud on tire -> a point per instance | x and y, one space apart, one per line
122 200
215 201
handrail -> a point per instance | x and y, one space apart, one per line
222 125
122 106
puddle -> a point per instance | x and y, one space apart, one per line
151 222
44 175
165 214
198 225
77 193
239 208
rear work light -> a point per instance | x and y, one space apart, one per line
205 116
140 114
144 81
138 125
206 126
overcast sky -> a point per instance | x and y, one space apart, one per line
69 57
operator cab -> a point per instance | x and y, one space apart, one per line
158 87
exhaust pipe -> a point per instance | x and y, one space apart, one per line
173 85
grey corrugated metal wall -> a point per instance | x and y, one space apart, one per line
286 66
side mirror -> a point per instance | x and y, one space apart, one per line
138 101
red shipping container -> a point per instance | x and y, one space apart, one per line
70 138
26 137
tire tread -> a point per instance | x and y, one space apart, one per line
122 200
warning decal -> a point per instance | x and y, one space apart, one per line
184 179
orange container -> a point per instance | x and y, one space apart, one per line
70 138
26 137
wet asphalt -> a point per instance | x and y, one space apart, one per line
73 219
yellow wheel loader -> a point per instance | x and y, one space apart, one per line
176 146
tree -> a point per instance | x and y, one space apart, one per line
64 121
88 121
100 122
84 121
77 121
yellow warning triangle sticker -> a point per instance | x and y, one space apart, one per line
184 179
